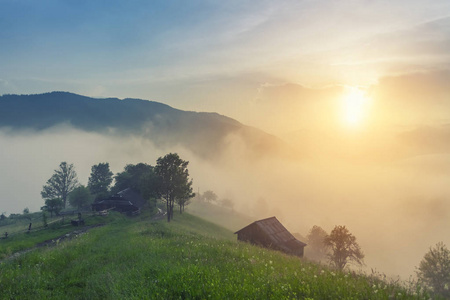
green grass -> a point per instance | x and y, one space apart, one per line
19 239
188 258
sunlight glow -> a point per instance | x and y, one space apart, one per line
355 104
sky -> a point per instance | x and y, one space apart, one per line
360 88
221 56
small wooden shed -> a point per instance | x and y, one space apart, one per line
270 233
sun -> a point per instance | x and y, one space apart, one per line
355 104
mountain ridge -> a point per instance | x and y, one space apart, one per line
204 133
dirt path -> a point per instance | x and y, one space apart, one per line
54 241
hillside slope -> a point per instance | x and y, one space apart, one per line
205 134
188 258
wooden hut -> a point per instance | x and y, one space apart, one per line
127 201
270 233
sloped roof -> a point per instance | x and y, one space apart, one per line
133 196
276 232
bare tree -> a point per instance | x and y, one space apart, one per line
61 183
344 248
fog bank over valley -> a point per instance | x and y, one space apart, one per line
396 208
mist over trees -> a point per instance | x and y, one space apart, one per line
62 182
209 196
317 248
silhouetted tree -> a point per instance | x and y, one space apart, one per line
53 206
174 180
61 183
209 196
26 211
99 181
434 270
344 248
316 243
80 196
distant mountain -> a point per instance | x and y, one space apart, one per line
205 134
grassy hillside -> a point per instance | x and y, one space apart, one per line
188 258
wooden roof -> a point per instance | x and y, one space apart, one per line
276 231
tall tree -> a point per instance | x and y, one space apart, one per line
62 182
100 179
80 196
344 248
434 270
174 180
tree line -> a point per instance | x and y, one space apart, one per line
167 180
340 249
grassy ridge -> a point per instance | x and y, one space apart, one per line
186 259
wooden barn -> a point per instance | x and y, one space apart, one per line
270 233
127 201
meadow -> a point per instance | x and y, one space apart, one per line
188 258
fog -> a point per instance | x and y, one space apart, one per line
397 208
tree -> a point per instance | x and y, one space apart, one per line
26 211
53 206
316 243
434 269
344 248
209 196
80 196
61 183
183 201
141 177
174 180
100 179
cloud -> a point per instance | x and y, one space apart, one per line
413 99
